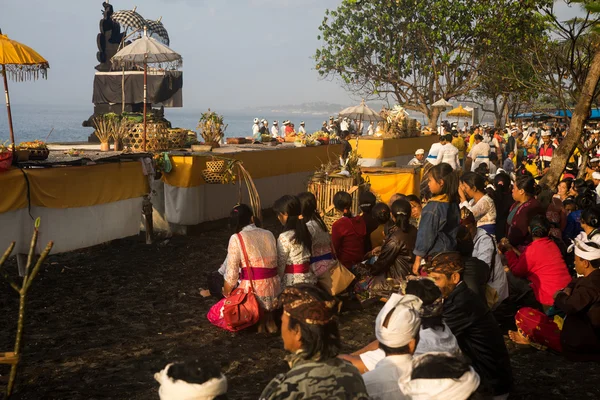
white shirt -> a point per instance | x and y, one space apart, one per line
344 126
255 130
480 153
301 129
274 131
382 383
415 161
371 130
448 153
430 341
433 153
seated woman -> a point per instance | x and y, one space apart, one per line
541 263
310 334
578 337
294 244
563 189
260 247
395 257
321 258
471 191
503 202
434 335
590 224
348 233
522 211
381 214
584 200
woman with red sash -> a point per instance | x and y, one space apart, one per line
294 243
261 251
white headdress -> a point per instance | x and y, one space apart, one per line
403 323
583 250
181 390
441 389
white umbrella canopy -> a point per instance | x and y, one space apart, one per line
361 112
441 103
144 51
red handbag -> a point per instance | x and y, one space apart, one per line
241 310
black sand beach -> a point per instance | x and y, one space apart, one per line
101 321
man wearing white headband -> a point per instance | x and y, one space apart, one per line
275 130
441 376
191 381
546 151
397 330
419 158
255 128
579 338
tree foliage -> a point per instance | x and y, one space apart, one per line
419 51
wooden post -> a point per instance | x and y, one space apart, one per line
147 211
145 91
7 97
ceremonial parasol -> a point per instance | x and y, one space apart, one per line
156 28
458 112
361 112
442 103
21 63
129 19
147 50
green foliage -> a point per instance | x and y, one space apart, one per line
419 51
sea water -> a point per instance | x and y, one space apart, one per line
63 123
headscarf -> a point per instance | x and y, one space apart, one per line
446 263
583 249
171 389
305 308
403 322
441 389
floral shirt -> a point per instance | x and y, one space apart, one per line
321 257
290 253
484 210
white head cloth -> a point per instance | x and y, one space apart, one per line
442 389
583 250
546 133
596 175
403 324
181 390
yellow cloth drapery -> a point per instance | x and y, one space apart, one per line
71 187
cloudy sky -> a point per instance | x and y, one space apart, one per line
237 53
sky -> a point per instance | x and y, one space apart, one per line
237 53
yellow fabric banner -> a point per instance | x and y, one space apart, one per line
70 187
379 148
386 185
187 170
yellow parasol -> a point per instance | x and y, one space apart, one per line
21 63
458 112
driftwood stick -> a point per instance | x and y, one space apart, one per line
8 279
38 265
27 280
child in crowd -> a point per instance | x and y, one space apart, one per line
381 214
416 207
440 218
348 233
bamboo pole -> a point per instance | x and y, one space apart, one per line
7 98
22 290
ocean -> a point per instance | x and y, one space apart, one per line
37 121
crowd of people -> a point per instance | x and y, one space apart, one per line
333 126
443 263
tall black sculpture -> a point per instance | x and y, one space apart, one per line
108 39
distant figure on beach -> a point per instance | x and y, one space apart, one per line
371 128
264 129
302 129
324 127
288 127
275 129
255 129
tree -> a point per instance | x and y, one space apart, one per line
417 51
580 115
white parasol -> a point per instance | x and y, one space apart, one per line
442 103
361 112
144 51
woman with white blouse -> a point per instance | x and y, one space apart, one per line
471 191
